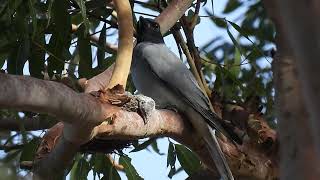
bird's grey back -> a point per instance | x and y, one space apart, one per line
167 67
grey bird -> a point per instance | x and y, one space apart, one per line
158 73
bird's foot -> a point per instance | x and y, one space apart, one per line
141 104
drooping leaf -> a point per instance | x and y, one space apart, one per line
81 171
231 6
85 64
101 51
188 160
155 147
33 16
29 150
37 56
50 3
83 9
113 174
99 163
60 40
171 159
220 22
129 169
18 56
143 145
235 67
234 41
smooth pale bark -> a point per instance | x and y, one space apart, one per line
124 57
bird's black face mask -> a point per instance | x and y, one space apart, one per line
149 31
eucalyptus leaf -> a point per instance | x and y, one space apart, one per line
29 150
129 169
84 46
188 160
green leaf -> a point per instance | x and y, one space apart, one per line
37 56
50 3
245 34
33 16
155 147
234 41
18 56
85 64
29 150
231 6
143 145
101 51
235 67
188 160
130 171
220 22
83 9
171 159
239 29
60 40
102 165
81 171
99 163
113 174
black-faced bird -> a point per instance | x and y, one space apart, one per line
158 73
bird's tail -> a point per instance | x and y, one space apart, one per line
217 156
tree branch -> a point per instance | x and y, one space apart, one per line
28 123
123 62
172 14
247 160
84 114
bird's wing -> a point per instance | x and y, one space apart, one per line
176 75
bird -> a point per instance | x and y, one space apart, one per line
158 73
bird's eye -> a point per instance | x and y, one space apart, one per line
156 25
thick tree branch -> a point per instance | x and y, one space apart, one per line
172 14
28 123
31 94
247 160
85 112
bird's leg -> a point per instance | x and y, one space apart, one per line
141 104
146 106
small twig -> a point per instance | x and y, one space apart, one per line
188 29
145 14
179 39
196 15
